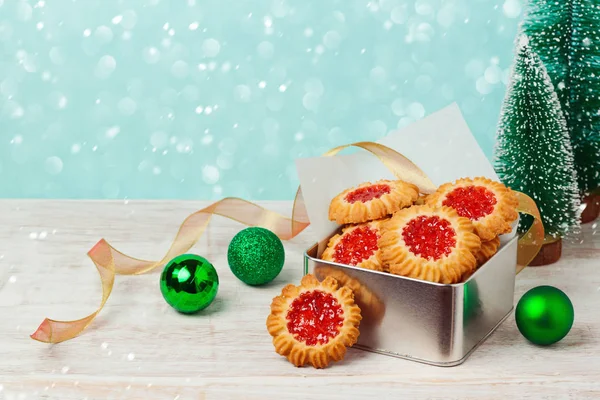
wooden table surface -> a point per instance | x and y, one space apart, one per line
139 348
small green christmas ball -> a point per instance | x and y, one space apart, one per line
255 256
544 315
189 283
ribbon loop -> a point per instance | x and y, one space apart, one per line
531 242
52 331
402 168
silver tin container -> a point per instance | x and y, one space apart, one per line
432 323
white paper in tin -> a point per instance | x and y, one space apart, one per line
441 144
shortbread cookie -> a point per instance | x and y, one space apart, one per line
422 199
371 201
314 323
357 245
487 251
433 244
489 204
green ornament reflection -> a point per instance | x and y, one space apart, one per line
471 302
189 283
544 315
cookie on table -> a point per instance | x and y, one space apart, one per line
357 245
314 323
370 201
432 244
489 204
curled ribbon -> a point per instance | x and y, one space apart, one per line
109 261
402 168
531 241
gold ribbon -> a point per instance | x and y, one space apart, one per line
402 168
531 241
109 261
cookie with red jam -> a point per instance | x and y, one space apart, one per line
371 201
357 245
489 204
314 323
432 244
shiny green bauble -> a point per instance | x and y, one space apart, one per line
189 283
544 315
255 256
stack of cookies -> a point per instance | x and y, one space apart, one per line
442 237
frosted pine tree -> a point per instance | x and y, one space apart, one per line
566 36
533 152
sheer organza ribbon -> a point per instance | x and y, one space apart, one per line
109 261
531 242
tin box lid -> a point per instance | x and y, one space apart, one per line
441 144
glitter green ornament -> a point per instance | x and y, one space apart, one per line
544 315
189 283
255 256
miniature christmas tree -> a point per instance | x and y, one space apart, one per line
533 151
566 36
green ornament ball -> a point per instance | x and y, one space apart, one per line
189 283
255 256
544 315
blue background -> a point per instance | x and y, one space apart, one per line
200 99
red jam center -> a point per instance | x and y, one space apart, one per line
367 193
315 317
471 202
356 246
429 237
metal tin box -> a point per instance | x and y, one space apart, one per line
437 324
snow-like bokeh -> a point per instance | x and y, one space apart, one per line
200 100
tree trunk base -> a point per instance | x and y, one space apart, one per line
549 254
591 210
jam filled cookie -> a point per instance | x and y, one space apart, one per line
433 244
371 201
314 323
357 245
487 251
490 205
